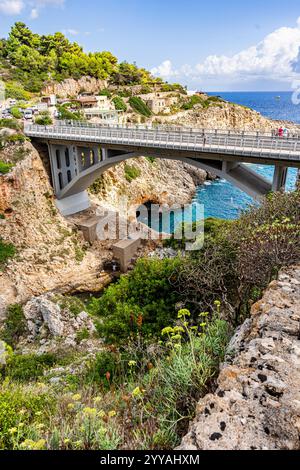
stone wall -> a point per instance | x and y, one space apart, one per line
257 403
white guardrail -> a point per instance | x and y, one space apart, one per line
195 140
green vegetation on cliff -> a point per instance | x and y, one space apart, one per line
7 251
140 106
131 172
37 59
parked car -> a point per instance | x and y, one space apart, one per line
6 114
28 114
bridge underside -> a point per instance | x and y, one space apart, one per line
75 167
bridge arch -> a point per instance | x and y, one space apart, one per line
93 162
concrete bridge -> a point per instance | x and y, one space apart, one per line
81 152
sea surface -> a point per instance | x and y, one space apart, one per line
220 198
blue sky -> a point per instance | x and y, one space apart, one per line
215 45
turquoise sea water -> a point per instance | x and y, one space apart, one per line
220 198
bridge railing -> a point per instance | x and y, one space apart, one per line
173 128
234 144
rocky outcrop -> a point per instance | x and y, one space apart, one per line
160 182
48 317
71 88
257 403
225 116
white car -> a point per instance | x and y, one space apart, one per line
28 114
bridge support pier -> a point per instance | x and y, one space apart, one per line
73 204
279 178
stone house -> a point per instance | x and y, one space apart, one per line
160 102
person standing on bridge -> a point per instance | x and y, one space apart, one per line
280 132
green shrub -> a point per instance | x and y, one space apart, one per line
82 335
240 258
131 173
125 93
44 119
18 406
105 363
173 87
16 113
16 91
72 304
14 326
16 139
9 124
192 101
25 368
66 114
119 103
5 168
105 92
7 251
185 374
140 106
215 99
142 301
212 228
151 160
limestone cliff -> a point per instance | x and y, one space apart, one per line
51 254
71 88
160 182
226 115
257 403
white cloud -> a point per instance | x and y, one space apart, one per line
34 14
71 32
37 5
277 57
165 70
11 7
15 7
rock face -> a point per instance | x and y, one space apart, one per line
71 87
47 317
51 254
226 116
160 182
257 403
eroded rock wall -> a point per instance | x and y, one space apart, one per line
257 403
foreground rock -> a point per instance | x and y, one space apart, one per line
49 316
257 403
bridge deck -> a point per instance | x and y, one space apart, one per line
195 142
